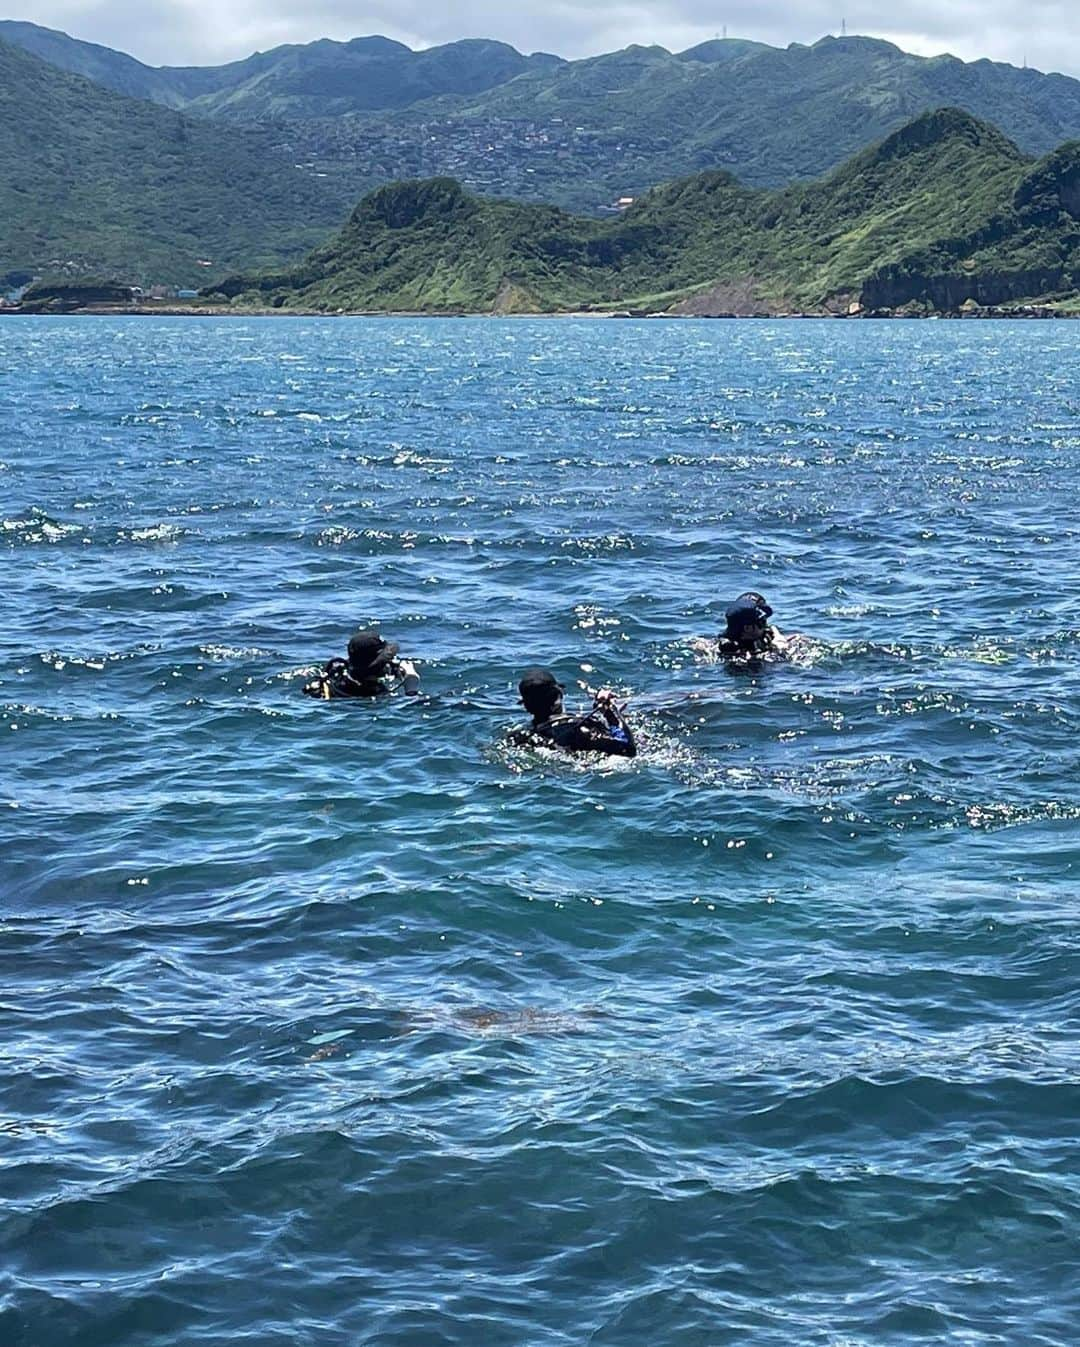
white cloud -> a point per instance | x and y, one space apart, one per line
1045 33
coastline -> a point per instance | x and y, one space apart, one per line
1020 313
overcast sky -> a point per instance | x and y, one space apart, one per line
201 32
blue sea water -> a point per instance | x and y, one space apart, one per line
343 1023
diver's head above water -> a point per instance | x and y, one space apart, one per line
747 622
541 694
370 657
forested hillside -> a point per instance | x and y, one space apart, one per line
944 210
95 183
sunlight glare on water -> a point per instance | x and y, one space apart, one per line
339 1023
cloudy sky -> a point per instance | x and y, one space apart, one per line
1045 33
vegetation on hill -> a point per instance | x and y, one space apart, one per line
723 49
329 78
111 69
93 183
581 133
775 116
1027 249
945 206
322 78
96 183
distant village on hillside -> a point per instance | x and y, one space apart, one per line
492 156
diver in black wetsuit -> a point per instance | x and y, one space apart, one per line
747 635
601 730
371 670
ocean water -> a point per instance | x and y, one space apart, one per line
334 1024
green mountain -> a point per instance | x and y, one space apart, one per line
111 69
723 49
829 99
316 79
581 133
326 79
769 116
946 207
1029 248
95 183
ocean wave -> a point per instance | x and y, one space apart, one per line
38 527
354 1020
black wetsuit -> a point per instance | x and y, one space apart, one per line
596 732
336 680
765 648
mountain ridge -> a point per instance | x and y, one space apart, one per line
944 210
583 134
450 67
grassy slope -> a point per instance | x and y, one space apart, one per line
1028 249
431 246
118 186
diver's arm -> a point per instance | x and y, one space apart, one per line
405 669
619 741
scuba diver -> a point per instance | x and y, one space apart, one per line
601 730
748 635
372 669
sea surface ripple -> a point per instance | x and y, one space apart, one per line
328 1024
